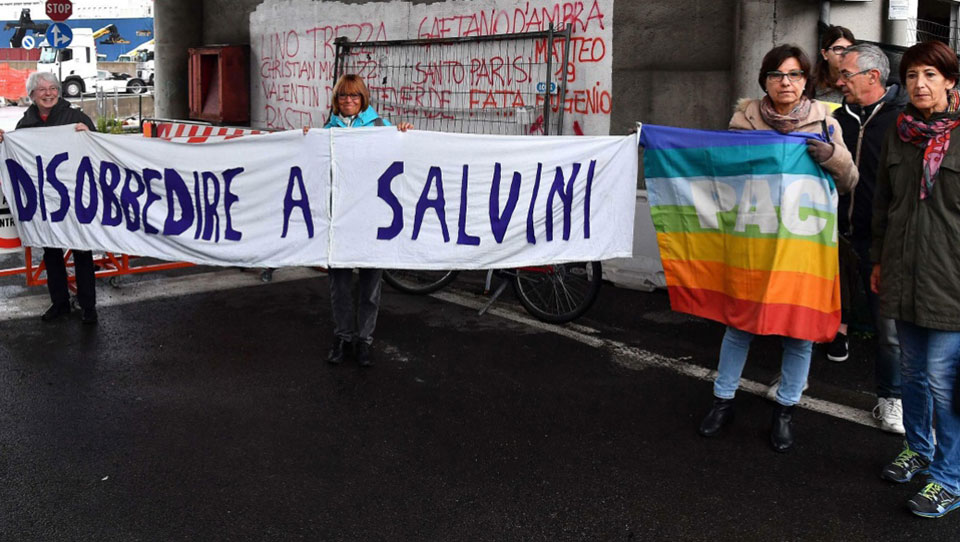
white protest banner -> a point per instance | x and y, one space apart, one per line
430 200
423 200
239 202
9 241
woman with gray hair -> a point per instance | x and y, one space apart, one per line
49 109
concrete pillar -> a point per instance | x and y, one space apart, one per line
178 25
755 31
901 32
761 25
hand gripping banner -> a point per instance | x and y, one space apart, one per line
370 197
747 228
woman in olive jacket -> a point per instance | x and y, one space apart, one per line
916 273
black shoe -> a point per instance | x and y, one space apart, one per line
88 316
720 415
907 465
781 433
339 351
839 349
56 311
933 501
362 351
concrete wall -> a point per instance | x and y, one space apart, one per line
671 63
679 62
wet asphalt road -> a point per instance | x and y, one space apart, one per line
214 417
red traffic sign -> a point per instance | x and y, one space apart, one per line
59 10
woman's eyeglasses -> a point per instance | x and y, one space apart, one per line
355 97
793 76
837 49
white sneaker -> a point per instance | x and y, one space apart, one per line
890 413
775 386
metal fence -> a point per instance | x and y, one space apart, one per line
507 84
929 30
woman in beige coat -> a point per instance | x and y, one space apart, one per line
786 108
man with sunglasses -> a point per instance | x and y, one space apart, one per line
869 109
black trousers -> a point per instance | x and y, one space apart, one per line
57 277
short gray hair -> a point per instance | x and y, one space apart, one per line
870 57
37 77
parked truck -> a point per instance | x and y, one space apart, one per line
76 65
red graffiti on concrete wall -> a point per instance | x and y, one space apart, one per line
296 67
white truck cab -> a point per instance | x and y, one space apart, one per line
76 65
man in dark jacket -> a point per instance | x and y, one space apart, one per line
868 111
49 109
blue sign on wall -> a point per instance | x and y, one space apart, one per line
59 35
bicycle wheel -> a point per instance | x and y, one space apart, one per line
411 281
558 293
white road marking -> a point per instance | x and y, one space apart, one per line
637 358
32 306
627 356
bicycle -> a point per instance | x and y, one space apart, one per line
551 293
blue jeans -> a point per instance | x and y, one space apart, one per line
887 358
794 366
929 362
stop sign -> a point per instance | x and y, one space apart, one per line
59 10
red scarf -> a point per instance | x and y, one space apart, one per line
932 137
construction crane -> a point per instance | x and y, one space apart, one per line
23 25
113 38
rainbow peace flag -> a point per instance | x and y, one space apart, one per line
747 228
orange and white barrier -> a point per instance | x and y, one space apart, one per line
184 132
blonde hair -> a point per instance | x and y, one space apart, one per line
350 84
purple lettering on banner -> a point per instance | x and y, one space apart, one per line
40 182
296 175
24 193
199 206
211 220
86 214
565 193
61 189
129 202
437 204
112 212
586 200
229 198
463 238
384 193
531 231
150 175
499 221
177 191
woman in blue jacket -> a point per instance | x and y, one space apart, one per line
354 326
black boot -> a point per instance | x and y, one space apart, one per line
781 432
720 415
339 351
362 351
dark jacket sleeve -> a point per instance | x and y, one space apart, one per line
881 199
82 117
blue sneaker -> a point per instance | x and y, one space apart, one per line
933 501
907 465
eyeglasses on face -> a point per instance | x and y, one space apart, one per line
43 90
837 49
792 75
847 75
355 97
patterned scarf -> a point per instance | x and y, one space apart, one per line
932 137
784 123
